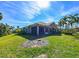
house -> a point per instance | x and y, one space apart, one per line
42 29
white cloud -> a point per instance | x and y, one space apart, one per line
27 10
30 12
74 9
49 19
34 8
13 21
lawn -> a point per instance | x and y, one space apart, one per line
59 46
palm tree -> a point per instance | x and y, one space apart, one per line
61 23
1 16
76 19
65 22
71 20
1 24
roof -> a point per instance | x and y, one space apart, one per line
52 25
38 24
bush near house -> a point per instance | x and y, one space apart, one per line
69 31
76 35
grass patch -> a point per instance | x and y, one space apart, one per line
9 44
77 35
59 46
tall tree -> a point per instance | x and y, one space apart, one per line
77 19
61 23
1 16
71 20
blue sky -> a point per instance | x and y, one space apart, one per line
23 13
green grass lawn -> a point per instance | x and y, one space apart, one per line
59 46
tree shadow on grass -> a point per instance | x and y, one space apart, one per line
34 37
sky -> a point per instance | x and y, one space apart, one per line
24 13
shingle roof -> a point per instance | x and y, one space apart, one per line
39 24
44 24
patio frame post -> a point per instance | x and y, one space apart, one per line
37 30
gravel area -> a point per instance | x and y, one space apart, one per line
35 43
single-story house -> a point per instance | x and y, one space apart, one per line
42 29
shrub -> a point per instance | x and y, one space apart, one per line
69 31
